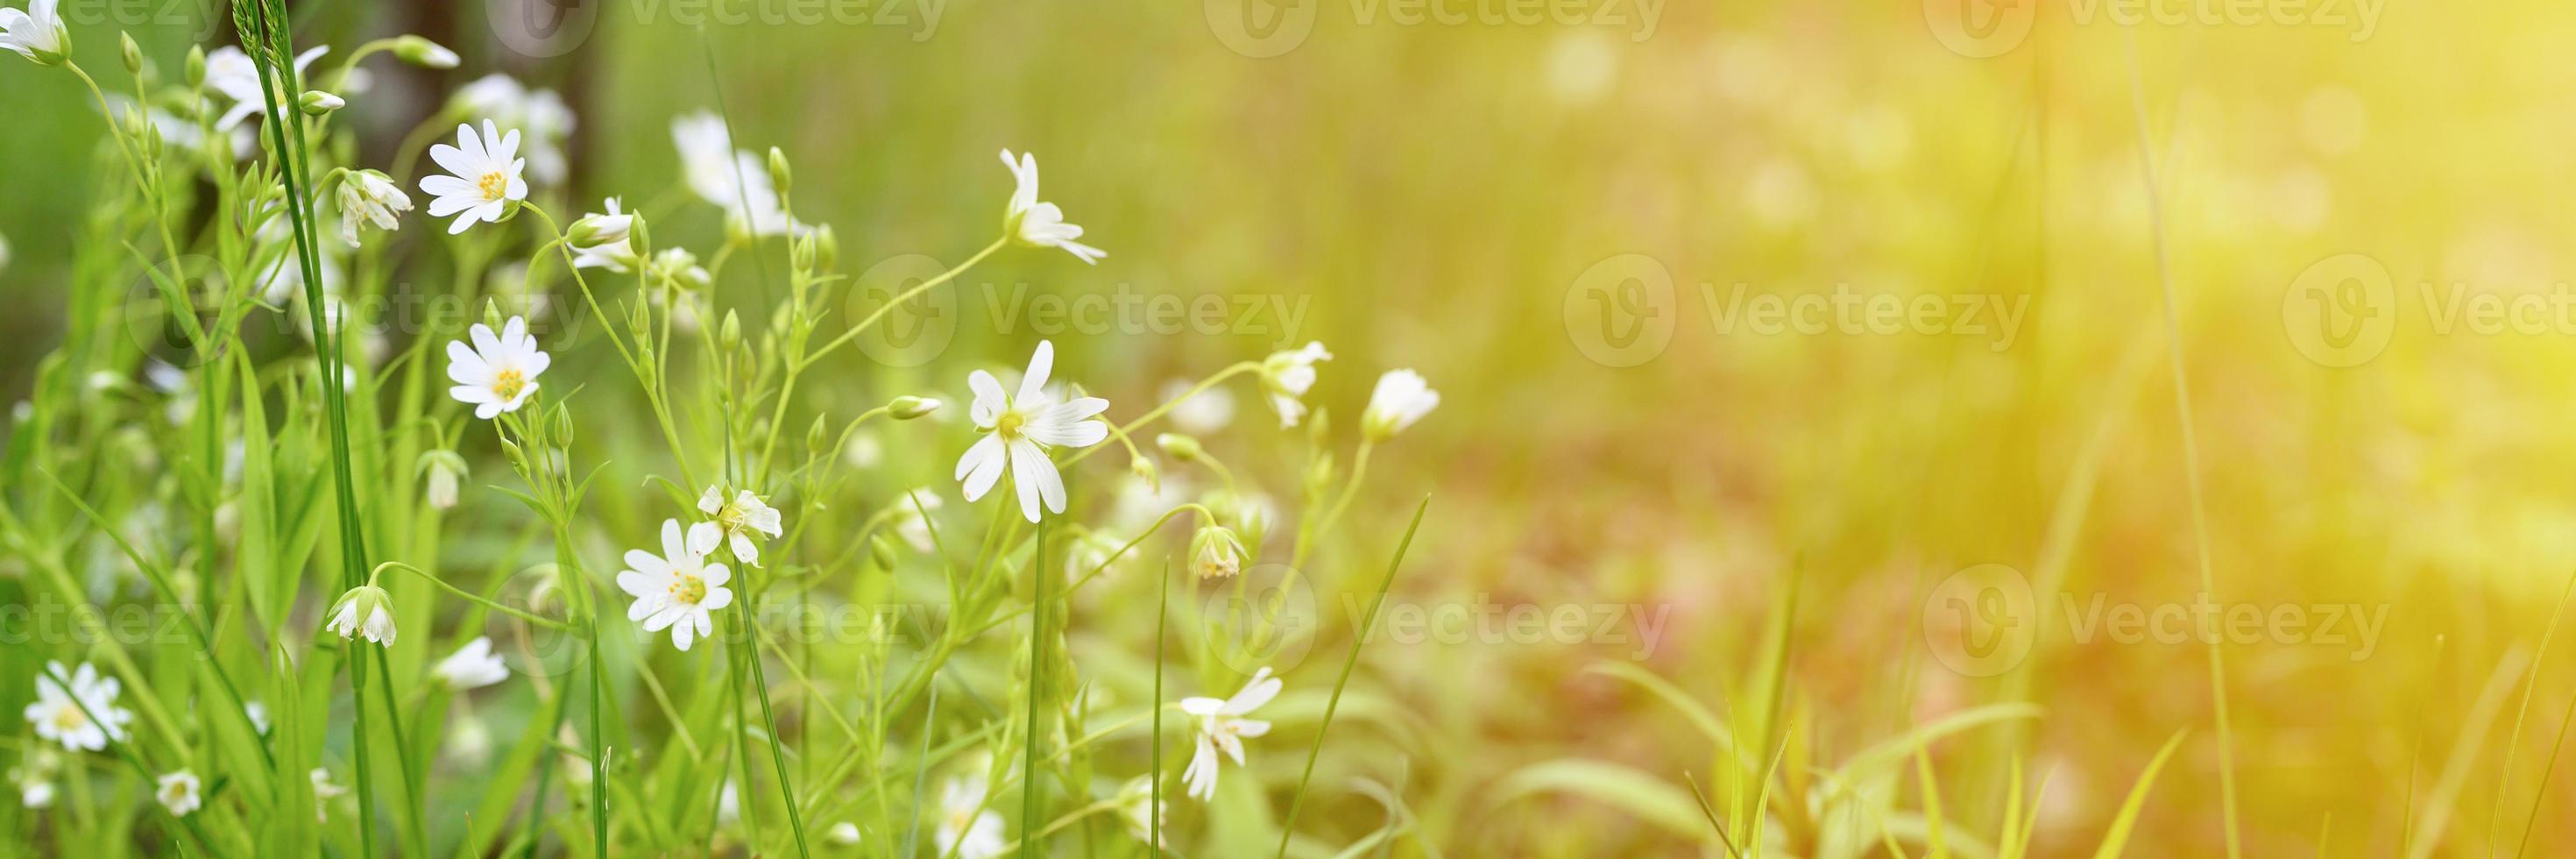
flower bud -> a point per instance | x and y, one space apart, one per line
818 438
1145 470
636 241
424 53
442 468
1215 553
827 248
365 611
131 53
1319 474
908 408
800 252
196 68
779 175
318 103
729 334
1178 446
881 552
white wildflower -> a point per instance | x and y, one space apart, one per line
1037 224
1287 376
178 792
486 177
498 373
64 714
36 33
1221 725
472 666
677 589
1400 399
734 523
967 830
365 611
369 197
1019 430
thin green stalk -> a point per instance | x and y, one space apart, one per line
1162 616
1359 637
2190 448
777 757
1166 408
477 599
1037 690
908 295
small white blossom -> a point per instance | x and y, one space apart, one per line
602 240
540 113
1221 726
472 666
178 792
967 830
34 777
910 524
442 469
844 834
232 74
36 33
1204 413
323 792
365 611
677 589
258 715
1400 399
486 177
58 712
1287 376
732 179
679 266
497 373
369 197
1138 810
1019 430
734 523
1037 224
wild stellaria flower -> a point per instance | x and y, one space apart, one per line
1203 413
257 713
539 112
1215 552
600 240
677 589
1019 430
1221 726
734 523
908 521
732 179
232 74
844 834
36 33
369 197
1037 224
472 666
487 177
498 373
1138 810
423 52
1286 376
179 792
681 268
58 712
1401 398
365 611
34 777
967 830
323 792
441 470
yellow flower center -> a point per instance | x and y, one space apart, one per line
689 589
493 185
70 718
508 383
1008 425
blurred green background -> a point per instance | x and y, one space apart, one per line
1432 194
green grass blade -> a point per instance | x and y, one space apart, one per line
2116 839
1358 637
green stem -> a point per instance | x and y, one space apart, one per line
908 295
470 596
1166 408
777 757
1359 637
